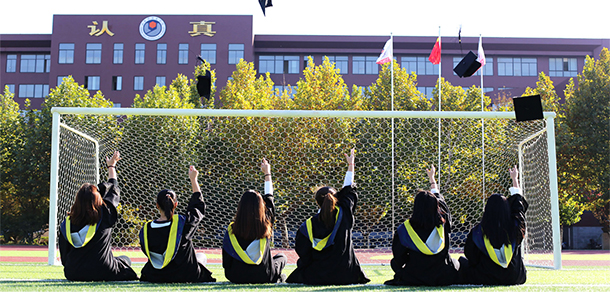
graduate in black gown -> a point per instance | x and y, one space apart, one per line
167 241
421 244
324 242
86 234
493 247
246 254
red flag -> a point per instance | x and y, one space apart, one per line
435 55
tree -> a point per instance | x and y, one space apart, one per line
406 95
11 138
30 171
584 138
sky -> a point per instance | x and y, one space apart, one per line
517 18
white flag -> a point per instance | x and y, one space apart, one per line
480 53
386 55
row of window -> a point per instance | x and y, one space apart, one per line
421 66
93 54
30 90
29 63
93 82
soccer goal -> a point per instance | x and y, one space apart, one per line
472 152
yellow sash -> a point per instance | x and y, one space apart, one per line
90 233
171 242
240 251
420 244
322 243
508 253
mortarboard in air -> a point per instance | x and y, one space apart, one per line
204 84
467 66
264 4
528 108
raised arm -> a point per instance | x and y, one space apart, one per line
349 175
111 163
514 175
433 185
266 169
193 173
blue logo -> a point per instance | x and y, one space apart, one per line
152 28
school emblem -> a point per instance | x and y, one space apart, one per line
152 28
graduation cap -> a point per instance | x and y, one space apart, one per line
528 108
204 85
264 4
467 66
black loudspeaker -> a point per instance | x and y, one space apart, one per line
204 85
528 108
467 66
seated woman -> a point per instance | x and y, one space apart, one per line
246 256
167 241
493 247
324 242
421 245
86 234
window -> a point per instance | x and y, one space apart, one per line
11 88
183 53
281 88
560 67
517 67
208 53
160 80
117 83
278 64
94 54
236 52
364 65
138 83
92 82
118 54
116 104
60 79
419 64
33 90
427 90
66 53
306 60
161 53
140 50
488 68
11 63
340 63
35 63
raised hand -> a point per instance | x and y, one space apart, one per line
265 167
116 156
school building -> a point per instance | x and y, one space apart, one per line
125 55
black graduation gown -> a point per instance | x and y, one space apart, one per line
482 270
336 264
270 268
184 268
94 261
413 268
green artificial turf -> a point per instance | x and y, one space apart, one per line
38 277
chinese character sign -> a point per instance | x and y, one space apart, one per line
202 27
98 32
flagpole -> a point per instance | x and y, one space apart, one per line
392 107
440 91
482 121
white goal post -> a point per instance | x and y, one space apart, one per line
305 150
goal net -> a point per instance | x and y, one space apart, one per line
472 152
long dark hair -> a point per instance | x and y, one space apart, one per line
87 206
325 197
496 222
166 199
427 213
251 220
